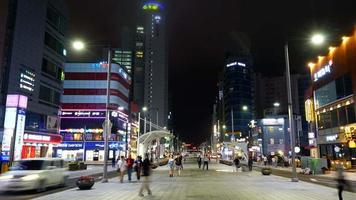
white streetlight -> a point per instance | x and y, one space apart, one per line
244 108
276 104
317 39
78 45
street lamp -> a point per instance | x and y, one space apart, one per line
317 40
276 104
244 108
79 45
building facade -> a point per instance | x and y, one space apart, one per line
84 109
32 65
238 94
151 67
124 58
332 103
271 99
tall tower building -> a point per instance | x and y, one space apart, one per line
151 69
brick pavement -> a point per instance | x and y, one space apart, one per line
217 183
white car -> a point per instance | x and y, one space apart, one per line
34 174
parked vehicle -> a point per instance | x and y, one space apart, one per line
34 174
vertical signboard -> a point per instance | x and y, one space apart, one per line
14 126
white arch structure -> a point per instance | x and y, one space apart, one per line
146 139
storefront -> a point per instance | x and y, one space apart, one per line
88 151
38 145
333 103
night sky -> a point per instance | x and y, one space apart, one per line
198 31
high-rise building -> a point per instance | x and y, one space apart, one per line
84 109
151 69
238 96
124 58
32 65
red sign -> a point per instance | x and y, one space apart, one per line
42 138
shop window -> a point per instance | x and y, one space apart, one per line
271 141
325 94
54 44
88 136
281 141
351 115
325 119
78 136
334 119
342 116
49 95
98 137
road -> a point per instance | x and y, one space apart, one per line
220 182
31 194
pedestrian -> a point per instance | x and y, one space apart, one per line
237 163
199 161
129 163
146 172
265 160
171 166
121 168
179 164
341 182
250 162
206 162
138 167
273 161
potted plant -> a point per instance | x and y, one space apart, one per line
266 170
85 182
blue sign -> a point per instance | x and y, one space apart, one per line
90 145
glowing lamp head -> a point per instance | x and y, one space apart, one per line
317 39
144 109
78 45
244 108
152 6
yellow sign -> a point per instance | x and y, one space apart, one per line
352 144
309 110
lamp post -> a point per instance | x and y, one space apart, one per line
316 39
79 45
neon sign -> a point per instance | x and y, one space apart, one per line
236 63
323 71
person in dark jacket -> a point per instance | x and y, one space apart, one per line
199 161
250 162
146 172
341 182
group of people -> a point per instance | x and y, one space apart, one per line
175 162
205 159
141 167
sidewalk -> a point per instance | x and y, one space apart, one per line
351 176
91 170
219 182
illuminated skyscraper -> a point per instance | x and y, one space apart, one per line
151 69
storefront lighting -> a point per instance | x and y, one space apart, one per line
320 58
345 38
347 103
311 65
331 109
352 144
338 105
332 49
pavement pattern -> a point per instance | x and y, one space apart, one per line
220 182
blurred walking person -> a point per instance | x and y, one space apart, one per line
138 167
237 164
199 161
121 168
171 165
129 163
206 162
179 164
341 182
250 162
146 172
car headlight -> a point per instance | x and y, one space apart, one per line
6 177
30 177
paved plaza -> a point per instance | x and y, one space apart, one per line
220 182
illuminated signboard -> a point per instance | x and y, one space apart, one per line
20 128
154 6
271 121
323 71
331 138
236 63
27 80
309 110
14 125
83 114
